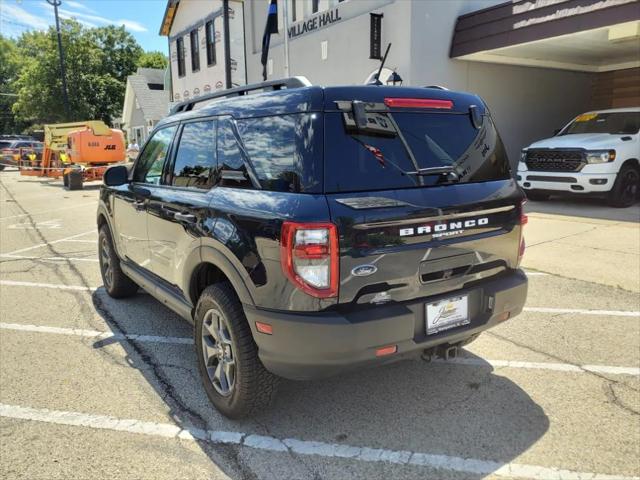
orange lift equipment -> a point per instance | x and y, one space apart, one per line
78 152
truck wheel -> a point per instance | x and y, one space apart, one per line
234 378
626 187
115 282
536 196
73 180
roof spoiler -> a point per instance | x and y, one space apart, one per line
270 85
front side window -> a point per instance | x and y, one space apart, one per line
180 52
211 43
196 156
195 51
151 160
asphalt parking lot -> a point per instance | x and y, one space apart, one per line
91 387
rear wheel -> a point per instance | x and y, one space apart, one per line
537 196
626 187
115 282
234 378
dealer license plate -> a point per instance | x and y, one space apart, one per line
446 314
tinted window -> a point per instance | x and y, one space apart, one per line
281 150
195 51
395 144
620 123
180 51
196 156
5 144
233 171
151 160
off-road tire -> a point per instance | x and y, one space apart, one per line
73 180
537 196
119 286
626 187
255 387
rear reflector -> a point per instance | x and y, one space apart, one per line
388 350
418 103
264 328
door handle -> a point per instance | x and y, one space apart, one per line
185 217
140 204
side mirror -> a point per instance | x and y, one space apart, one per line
116 176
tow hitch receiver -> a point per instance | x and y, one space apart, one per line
443 352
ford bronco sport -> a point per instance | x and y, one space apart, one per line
307 230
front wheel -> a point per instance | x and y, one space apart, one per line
233 376
626 187
115 282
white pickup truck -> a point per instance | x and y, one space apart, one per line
597 152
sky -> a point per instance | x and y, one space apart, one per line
141 18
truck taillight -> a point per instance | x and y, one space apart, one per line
309 256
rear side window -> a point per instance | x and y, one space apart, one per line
397 144
284 151
233 171
195 161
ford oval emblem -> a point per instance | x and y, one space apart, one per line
364 270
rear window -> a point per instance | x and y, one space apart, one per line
396 144
5 144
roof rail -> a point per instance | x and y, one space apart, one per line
292 82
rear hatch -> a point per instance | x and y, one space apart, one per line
419 185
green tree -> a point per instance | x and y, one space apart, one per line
97 63
153 60
9 69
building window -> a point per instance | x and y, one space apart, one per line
294 13
195 51
315 5
211 43
180 49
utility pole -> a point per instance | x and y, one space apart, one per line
227 43
285 16
65 98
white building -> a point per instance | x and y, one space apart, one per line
146 101
537 63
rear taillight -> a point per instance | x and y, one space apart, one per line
418 103
309 256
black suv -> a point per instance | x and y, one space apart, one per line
307 230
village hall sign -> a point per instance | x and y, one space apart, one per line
315 23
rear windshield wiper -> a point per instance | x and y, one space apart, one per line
447 170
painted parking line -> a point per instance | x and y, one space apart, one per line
14 283
53 259
43 212
45 244
558 367
613 313
302 447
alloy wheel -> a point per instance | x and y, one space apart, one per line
217 350
630 186
105 262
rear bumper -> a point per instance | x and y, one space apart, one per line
305 346
576 182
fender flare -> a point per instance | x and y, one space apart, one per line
209 254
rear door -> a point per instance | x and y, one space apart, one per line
408 226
